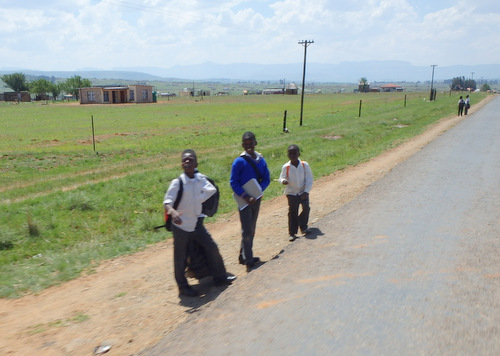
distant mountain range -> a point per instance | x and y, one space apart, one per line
345 72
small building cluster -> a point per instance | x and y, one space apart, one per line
290 89
365 88
192 92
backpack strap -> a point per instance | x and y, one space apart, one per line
288 171
179 194
176 202
179 197
254 166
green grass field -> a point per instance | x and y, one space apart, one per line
65 207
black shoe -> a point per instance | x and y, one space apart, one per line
225 281
242 261
187 292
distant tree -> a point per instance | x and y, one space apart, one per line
15 81
55 90
485 87
458 83
363 84
470 83
40 86
73 84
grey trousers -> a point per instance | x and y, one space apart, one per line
200 235
248 219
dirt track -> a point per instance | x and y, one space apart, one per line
131 302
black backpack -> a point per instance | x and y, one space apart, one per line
210 206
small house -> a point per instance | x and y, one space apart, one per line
117 94
291 89
270 91
21 96
364 87
391 87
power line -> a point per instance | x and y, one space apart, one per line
169 13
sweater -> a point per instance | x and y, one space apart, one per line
242 172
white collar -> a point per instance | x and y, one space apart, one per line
258 156
186 179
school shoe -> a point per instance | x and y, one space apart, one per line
292 238
224 281
187 292
242 261
306 231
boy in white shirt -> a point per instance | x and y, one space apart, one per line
297 176
187 223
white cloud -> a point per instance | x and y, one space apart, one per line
115 33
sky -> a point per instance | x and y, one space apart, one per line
113 34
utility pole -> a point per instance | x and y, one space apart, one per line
306 44
432 82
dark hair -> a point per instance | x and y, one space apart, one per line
248 135
294 147
190 151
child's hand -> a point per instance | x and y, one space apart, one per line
250 200
304 196
284 182
176 217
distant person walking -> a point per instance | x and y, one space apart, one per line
249 178
297 177
467 105
461 105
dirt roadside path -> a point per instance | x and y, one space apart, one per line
131 302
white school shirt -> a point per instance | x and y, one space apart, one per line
195 192
300 178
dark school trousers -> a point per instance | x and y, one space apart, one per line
248 219
296 220
181 241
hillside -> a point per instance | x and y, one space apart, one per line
344 72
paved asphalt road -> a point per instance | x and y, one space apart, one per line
410 267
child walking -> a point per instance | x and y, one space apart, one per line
249 167
297 176
187 223
461 105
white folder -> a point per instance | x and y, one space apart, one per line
252 188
